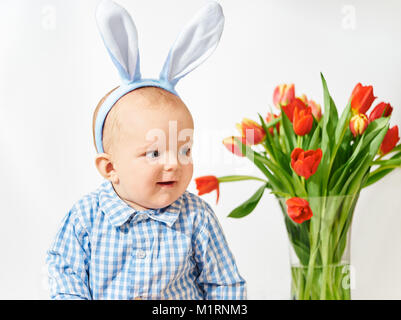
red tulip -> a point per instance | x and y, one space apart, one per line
252 131
298 210
305 163
207 184
302 121
390 140
358 124
361 98
270 118
283 95
289 108
232 146
381 110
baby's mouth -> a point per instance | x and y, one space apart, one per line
167 183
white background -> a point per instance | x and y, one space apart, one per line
54 69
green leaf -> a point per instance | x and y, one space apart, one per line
308 137
281 194
316 138
343 123
267 141
377 175
251 155
281 174
248 206
330 116
372 151
289 134
364 146
275 147
382 171
389 162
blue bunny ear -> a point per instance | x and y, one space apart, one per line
120 37
195 44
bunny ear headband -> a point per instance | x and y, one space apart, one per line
194 45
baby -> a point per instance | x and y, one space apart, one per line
141 235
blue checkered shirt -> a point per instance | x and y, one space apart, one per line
105 249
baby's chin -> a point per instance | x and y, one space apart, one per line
164 199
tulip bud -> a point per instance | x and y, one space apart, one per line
207 184
289 108
381 110
305 163
298 210
252 131
303 121
232 146
361 98
358 124
283 95
390 140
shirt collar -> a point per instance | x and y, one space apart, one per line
118 212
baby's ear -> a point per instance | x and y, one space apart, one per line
105 167
120 37
195 44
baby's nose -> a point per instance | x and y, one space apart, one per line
171 161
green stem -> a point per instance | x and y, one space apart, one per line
299 141
325 264
239 178
314 250
267 151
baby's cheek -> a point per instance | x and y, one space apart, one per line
187 174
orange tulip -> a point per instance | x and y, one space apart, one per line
361 98
207 184
381 110
390 140
283 95
302 121
252 131
270 117
232 146
289 108
298 210
358 124
305 163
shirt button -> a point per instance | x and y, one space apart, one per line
140 254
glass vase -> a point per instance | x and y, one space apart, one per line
320 249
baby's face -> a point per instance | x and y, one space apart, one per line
152 155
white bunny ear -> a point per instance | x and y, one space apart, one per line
195 44
120 37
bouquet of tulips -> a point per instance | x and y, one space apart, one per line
315 164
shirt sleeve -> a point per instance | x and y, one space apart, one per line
219 277
68 261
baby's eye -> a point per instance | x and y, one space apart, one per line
152 154
186 150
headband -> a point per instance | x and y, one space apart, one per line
195 43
